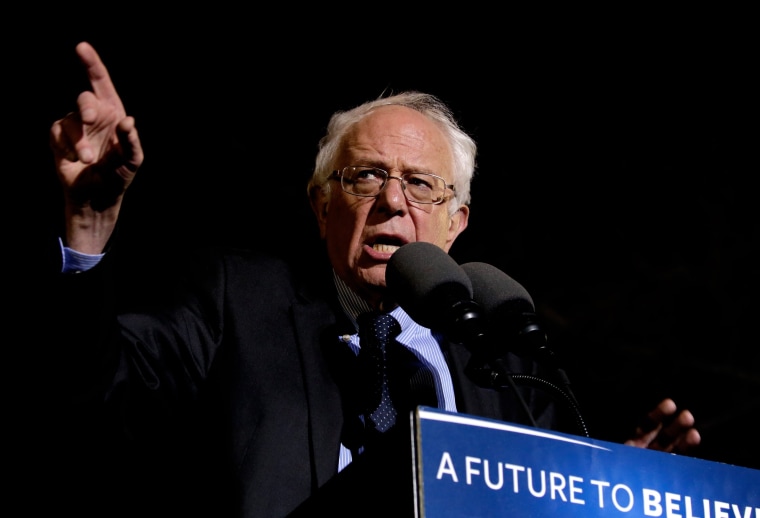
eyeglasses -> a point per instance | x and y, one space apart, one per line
368 181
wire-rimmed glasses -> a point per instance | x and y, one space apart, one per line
369 181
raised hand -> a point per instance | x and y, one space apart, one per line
97 153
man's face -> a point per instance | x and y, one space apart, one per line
362 233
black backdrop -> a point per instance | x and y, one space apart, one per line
615 175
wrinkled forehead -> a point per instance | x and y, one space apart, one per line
397 137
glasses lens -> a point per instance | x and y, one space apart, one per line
424 188
362 181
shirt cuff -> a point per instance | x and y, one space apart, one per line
75 262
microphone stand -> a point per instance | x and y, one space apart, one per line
486 369
465 325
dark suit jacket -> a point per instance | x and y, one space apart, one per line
218 400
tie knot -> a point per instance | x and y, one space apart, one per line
376 329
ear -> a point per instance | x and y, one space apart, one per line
457 224
320 201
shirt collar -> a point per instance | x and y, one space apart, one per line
353 306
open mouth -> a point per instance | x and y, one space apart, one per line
387 245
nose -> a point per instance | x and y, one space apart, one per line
400 183
393 194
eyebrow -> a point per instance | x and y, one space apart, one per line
384 167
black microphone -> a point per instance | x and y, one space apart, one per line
512 318
509 310
434 290
467 304
437 293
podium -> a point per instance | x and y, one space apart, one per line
456 465
473 467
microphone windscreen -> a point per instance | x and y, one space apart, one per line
426 282
495 291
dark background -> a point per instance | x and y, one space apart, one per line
616 175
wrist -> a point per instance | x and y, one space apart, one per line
88 230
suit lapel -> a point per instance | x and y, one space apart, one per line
314 324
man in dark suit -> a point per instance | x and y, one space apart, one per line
236 393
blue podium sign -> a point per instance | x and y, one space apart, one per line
472 467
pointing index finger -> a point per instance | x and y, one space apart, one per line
96 72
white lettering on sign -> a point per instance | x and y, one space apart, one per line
573 489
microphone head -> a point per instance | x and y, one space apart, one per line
496 291
508 308
427 283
